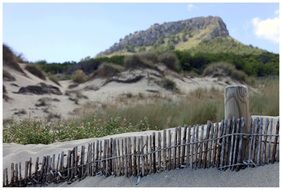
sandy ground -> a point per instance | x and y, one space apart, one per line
96 93
263 176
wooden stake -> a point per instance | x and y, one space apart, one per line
206 156
188 141
275 143
154 153
134 157
175 148
184 146
201 147
233 126
169 150
165 149
130 157
259 142
142 158
240 152
159 150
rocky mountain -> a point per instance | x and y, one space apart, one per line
179 35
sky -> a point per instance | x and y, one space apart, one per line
61 32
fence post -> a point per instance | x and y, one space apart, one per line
236 104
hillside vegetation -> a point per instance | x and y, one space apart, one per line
160 114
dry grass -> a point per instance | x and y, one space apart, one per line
196 108
79 76
10 59
225 69
33 69
107 70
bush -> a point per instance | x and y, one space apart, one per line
79 76
107 70
33 69
224 70
168 84
138 61
170 60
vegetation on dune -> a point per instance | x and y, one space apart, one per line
107 70
256 65
198 107
11 59
170 60
222 69
33 69
79 76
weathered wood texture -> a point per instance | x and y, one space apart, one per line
236 104
218 145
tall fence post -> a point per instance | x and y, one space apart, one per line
236 104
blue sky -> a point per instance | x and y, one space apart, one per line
65 32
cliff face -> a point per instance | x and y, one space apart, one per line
172 35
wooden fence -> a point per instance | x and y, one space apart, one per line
221 145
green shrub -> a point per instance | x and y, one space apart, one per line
170 60
33 69
137 61
79 76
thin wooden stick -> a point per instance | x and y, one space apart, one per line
240 152
197 139
223 145
130 157
193 149
188 141
275 143
6 178
175 148
164 150
236 140
138 173
159 150
169 150
265 141
16 174
206 155
134 157
20 171
147 156
259 143
201 147
119 163
184 146
178 164
143 157
154 153
233 127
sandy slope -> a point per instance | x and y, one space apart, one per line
263 176
96 93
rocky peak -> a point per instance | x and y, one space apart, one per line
210 26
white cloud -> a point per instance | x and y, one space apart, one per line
267 28
190 7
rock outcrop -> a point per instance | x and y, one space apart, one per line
172 33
